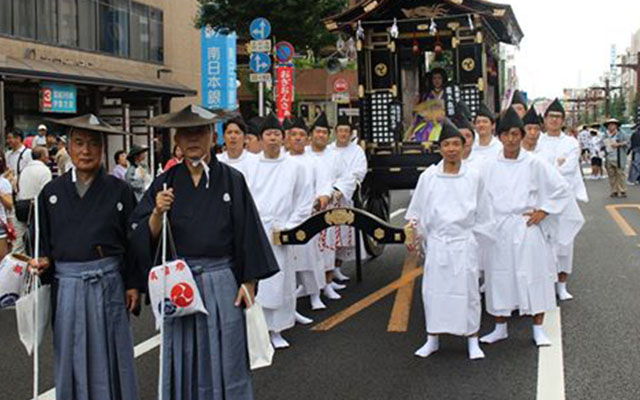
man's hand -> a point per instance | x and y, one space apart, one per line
322 202
535 217
241 297
39 266
561 161
133 301
164 201
337 195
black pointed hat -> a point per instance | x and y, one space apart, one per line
518 98
531 117
254 125
555 106
483 111
343 120
321 122
449 131
461 122
271 122
287 123
298 123
463 109
509 119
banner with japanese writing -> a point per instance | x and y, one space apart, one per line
284 91
218 88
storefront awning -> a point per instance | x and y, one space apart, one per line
59 72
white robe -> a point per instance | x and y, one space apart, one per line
453 213
551 149
490 151
279 190
356 163
247 164
306 259
522 273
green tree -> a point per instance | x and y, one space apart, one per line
618 107
296 21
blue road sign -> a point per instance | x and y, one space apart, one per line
260 62
284 52
260 29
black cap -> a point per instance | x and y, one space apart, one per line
343 120
509 119
321 122
463 109
287 123
271 122
555 106
298 123
449 131
483 111
518 98
254 125
531 117
461 122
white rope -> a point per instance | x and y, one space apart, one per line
162 305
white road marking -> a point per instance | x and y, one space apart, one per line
550 361
397 212
139 350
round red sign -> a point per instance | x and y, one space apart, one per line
340 85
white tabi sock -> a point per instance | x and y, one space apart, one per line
302 320
561 290
337 273
330 293
316 302
475 352
337 286
540 336
432 345
499 333
278 341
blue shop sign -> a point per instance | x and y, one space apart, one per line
58 98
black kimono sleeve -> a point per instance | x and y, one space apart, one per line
134 275
253 256
44 240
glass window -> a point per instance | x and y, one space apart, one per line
139 31
67 23
24 18
5 16
46 25
114 27
157 34
87 18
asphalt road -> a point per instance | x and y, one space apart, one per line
360 359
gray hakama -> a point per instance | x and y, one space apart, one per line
205 356
92 338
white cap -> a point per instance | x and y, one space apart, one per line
42 127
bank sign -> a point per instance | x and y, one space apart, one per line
218 86
58 98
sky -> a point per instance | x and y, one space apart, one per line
567 43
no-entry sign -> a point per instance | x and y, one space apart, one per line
340 85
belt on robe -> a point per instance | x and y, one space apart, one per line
90 271
448 240
506 217
200 265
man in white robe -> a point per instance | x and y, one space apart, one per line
356 162
487 144
532 131
310 272
524 190
341 182
235 155
467 130
279 190
452 212
563 152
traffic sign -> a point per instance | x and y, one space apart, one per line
257 78
284 52
260 29
260 62
260 46
340 85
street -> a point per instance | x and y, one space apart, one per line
361 347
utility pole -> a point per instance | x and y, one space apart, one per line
607 89
635 67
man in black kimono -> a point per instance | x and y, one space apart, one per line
83 243
218 232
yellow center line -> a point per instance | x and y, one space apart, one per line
352 310
620 220
399 320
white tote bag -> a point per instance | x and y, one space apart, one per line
258 341
13 272
31 329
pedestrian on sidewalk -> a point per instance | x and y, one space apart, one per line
634 149
596 150
84 219
616 144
